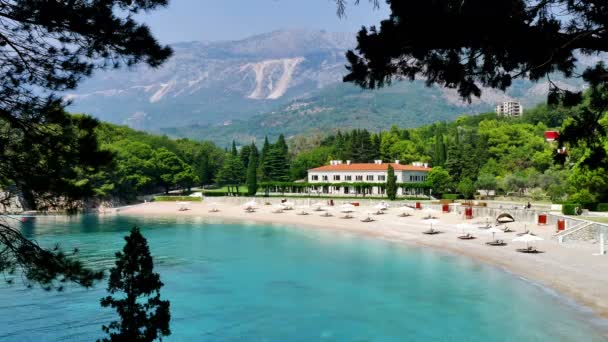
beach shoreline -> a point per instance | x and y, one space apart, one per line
571 270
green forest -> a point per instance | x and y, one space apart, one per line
508 155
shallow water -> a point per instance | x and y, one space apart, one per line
236 282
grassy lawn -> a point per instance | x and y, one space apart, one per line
177 199
242 188
595 219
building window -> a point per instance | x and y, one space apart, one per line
382 178
325 178
370 177
336 177
411 178
359 178
348 178
315 177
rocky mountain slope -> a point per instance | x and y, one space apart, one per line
279 82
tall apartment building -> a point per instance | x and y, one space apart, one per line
510 109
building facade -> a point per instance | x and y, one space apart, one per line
342 173
510 109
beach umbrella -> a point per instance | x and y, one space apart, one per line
430 211
303 208
465 226
493 231
288 205
319 205
431 222
347 208
527 238
405 208
381 206
326 211
250 204
214 205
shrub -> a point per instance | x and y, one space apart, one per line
451 196
537 194
602 207
570 208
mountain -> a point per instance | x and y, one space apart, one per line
279 82
217 82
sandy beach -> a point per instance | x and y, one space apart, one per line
570 269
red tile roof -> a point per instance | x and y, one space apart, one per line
370 167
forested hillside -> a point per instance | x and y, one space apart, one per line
509 155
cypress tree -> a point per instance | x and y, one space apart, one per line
262 160
143 315
439 152
275 165
252 175
391 184
244 154
281 144
234 151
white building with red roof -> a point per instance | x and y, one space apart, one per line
342 173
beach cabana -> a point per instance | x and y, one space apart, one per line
505 218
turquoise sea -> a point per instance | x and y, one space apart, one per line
245 282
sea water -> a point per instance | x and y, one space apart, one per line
251 282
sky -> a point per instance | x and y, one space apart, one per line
212 20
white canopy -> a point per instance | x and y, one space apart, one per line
406 208
528 238
380 206
250 204
430 221
493 230
430 211
465 226
347 208
319 204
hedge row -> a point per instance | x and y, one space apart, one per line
570 208
602 207
451 196
177 199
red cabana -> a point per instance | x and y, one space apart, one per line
551 135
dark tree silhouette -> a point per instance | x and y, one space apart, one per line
391 184
47 47
143 315
470 44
